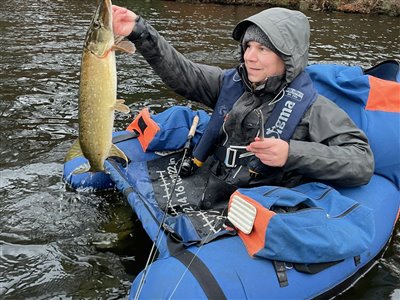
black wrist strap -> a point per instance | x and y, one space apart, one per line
138 30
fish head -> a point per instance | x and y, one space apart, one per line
100 36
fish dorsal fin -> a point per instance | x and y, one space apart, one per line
123 45
74 152
116 152
120 106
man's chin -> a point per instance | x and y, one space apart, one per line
254 79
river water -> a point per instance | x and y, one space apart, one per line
60 244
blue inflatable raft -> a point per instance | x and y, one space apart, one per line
199 257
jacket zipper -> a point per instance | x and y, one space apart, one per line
273 190
346 212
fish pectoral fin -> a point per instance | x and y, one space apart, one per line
74 152
120 106
116 152
118 39
124 46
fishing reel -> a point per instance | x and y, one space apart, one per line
188 167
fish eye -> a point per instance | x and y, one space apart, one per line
96 24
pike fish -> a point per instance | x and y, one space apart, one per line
97 93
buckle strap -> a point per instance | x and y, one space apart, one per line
232 156
280 270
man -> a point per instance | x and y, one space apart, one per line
269 126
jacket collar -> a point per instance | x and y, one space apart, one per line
272 85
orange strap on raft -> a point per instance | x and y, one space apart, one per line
384 95
145 126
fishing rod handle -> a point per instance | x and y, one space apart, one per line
192 130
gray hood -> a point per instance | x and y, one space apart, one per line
289 32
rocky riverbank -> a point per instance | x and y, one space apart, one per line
387 7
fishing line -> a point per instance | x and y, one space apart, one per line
158 238
196 254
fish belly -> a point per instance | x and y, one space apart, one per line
97 97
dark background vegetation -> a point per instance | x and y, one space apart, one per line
387 7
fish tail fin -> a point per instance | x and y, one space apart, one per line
83 168
116 152
75 152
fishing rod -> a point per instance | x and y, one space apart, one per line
261 134
152 253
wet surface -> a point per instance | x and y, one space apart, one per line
61 243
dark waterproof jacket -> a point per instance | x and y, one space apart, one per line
326 146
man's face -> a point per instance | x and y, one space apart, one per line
261 62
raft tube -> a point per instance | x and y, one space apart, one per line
223 268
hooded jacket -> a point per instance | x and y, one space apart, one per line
289 32
326 146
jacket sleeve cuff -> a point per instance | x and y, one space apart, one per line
294 155
138 30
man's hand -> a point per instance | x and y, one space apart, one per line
124 20
271 152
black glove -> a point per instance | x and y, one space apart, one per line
188 167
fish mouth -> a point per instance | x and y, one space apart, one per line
100 36
105 13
